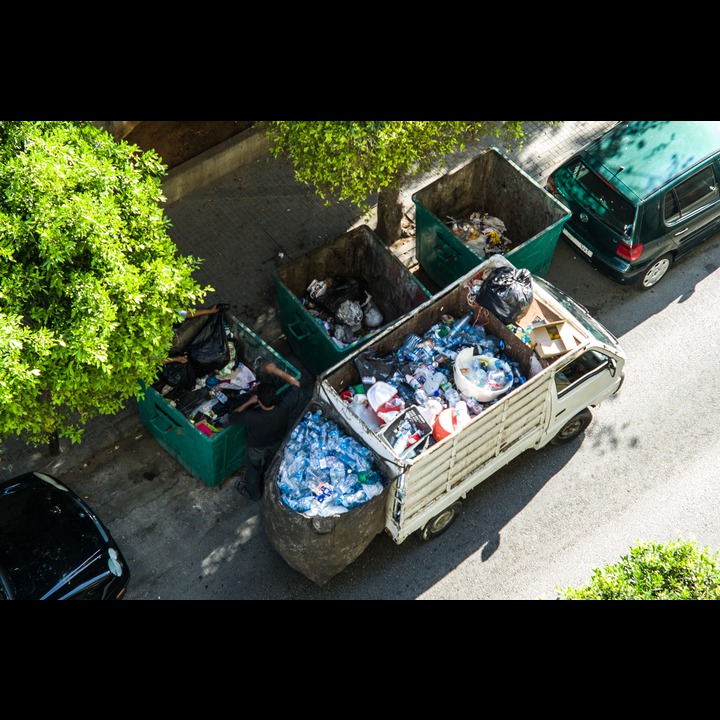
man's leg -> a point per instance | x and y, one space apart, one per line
268 457
254 461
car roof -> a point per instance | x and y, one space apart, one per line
638 157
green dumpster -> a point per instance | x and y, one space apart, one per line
211 459
489 184
358 254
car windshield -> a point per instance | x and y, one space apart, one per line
63 536
615 210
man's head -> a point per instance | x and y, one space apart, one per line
266 394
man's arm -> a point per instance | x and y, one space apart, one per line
273 369
248 403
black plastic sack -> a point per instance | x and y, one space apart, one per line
339 290
507 293
209 349
371 365
179 375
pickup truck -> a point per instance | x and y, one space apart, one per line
571 364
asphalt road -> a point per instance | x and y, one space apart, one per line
646 468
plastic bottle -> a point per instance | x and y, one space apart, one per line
496 378
459 326
438 331
444 384
477 374
337 472
461 413
423 374
412 381
432 384
401 442
366 414
452 396
421 396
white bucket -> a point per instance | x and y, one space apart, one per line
482 393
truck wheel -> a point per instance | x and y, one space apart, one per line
572 428
655 272
441 522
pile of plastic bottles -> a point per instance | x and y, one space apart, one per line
324 471
424 374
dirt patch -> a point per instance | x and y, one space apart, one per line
177 141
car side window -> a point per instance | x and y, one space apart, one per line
692 194
588 364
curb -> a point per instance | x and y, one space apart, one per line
207 167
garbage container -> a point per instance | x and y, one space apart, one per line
489 184
361 255
214 458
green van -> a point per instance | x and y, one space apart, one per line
641 195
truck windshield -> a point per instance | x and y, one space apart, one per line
578 312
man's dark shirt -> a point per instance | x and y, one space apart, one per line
265 428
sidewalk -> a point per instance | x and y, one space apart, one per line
250 221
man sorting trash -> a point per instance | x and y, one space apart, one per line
267 416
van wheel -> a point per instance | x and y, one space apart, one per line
441 522
655 272
572 428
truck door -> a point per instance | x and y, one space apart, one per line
583 381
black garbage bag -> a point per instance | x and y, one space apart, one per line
340 289
209 349
179 375
371 364
507 293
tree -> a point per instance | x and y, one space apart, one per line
89 277
679 570
354 159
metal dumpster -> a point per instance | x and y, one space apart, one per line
210 459
359 254
489 183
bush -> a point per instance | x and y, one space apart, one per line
678 570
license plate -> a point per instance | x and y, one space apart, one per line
578 244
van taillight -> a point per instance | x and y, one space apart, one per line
550 185
629 252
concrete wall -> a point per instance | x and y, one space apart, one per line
214 163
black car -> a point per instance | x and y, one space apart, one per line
53 546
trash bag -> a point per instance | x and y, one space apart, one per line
372 317
372 366
350 313
507 292
179 375
338 290
209 349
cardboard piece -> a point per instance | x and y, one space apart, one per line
552 339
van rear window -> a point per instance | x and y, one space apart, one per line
616 210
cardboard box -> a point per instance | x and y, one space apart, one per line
551 339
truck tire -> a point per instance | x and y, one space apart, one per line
573 427
441 522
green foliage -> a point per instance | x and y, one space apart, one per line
652 571
89 277
351 160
